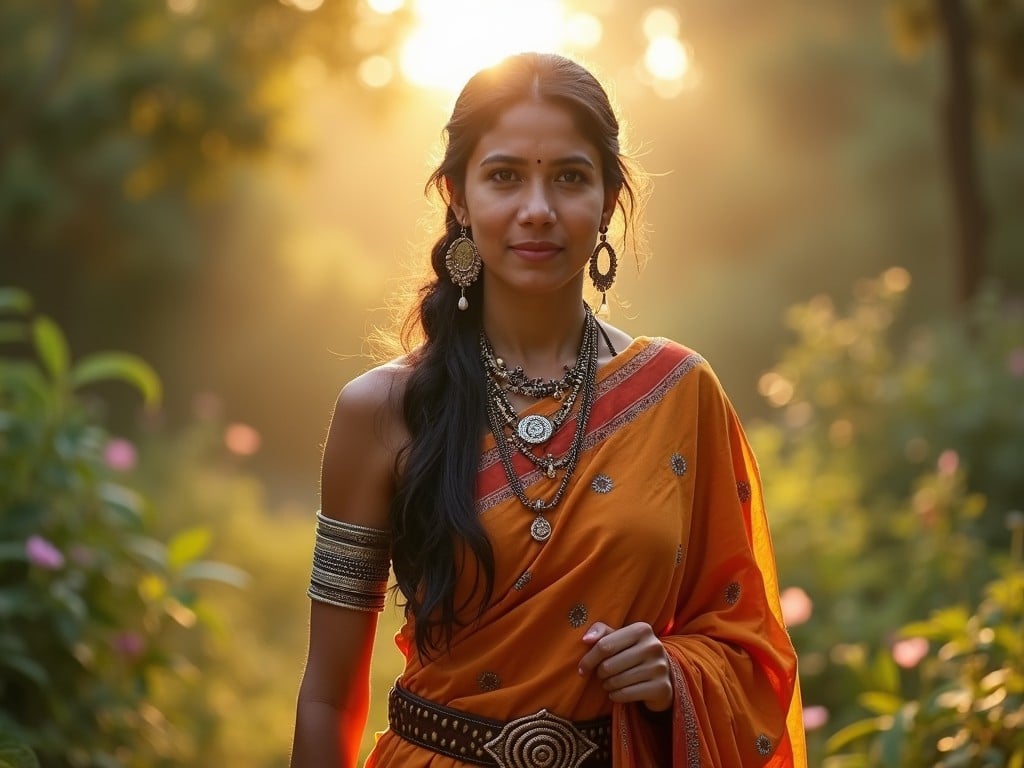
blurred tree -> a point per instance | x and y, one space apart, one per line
122 119
982 46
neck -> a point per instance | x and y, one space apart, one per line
542 334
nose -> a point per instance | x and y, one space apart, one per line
536 207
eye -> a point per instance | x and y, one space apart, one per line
504 175
572 177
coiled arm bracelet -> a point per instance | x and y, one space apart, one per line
350 565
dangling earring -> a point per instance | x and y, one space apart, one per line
463 262
603 282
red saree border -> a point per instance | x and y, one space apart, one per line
627 391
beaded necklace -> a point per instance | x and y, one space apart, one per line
523 434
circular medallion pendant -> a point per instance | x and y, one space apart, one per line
540 529
535 429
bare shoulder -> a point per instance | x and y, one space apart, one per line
367 433
619 339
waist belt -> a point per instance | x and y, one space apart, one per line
540 740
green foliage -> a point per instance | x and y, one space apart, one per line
970 708
890 475
93 607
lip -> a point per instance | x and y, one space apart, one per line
535 250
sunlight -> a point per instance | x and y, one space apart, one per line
455 38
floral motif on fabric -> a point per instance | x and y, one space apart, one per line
679 554
602 484
732 593
678 464
578 615
763 745
488 681
522 581
743 489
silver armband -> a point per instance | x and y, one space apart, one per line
350 565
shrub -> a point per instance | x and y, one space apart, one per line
93 608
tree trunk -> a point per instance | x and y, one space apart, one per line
970 219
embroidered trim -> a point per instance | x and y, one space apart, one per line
690 730
616 422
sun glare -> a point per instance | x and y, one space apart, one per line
455 38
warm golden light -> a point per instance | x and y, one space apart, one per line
455 38
583 30
376 72
183 7
385 6
666 58
660 22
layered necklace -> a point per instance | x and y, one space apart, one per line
528 433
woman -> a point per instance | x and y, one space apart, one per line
573 515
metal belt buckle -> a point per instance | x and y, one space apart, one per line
540 740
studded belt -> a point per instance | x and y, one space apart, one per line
540 740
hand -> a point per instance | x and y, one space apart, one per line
631 664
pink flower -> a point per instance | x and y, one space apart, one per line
1015 363
120 455
796 606
128 644
909 652
948 462
43 554
241 439
815 717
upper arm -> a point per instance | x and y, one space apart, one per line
357 481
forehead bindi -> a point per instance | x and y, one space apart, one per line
536 132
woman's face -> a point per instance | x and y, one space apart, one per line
534 198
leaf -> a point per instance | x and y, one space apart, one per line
51 345
124 500
214 571
854 731
15 300
187 546
880 703
28 667
149 550
123 366
17 756
885 673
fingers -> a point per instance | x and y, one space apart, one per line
631 664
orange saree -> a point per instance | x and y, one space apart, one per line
663 523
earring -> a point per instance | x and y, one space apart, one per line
602 282
463 262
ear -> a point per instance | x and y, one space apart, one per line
457 201
611 198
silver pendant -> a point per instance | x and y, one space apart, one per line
535 429
540 529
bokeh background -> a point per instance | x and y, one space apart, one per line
208 209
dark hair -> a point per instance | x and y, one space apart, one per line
433 516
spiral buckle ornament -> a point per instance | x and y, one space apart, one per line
540 740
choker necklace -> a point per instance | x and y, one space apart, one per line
510 430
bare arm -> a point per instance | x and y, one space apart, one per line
356 486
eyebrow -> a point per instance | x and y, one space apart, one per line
502 159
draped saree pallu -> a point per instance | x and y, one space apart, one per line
663 523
